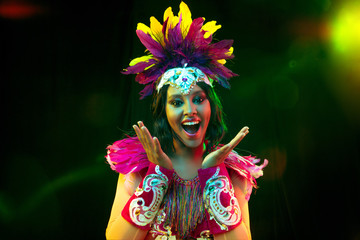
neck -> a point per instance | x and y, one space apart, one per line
185 152
186 161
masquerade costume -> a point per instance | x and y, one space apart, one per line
180 53
189 207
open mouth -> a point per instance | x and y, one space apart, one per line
191 127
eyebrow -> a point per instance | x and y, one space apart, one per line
180 95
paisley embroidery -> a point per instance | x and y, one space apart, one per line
139 212
223 215
156 230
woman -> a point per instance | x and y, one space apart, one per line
181 184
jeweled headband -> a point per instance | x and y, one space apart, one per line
183 78
180 52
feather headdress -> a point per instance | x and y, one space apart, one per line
177 42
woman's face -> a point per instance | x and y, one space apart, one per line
188 115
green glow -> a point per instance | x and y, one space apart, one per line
8 212
346 29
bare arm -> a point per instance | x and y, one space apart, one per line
242 232
118 228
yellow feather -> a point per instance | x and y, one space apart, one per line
168 14
143 27
186 18
140 59
210 28
223 61
149 66
175 21
156 29
155 25
231 50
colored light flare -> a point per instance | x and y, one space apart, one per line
344 46
19 9
346 30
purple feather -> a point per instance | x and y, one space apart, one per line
139 67
194 49
154 47
175 36
195 34
148 90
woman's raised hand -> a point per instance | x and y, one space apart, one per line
152 147
217 157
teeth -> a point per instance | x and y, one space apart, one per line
191 123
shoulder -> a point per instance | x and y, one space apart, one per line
239 182
127 156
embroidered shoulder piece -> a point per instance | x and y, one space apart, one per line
157 183
224 216
144 204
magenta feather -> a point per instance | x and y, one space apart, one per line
194 49
139 67
128 155
153 46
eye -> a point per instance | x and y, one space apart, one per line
176 103
198 99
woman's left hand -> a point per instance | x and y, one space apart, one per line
152 147
217 157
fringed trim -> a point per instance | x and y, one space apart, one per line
183 206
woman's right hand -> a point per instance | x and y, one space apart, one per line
152 147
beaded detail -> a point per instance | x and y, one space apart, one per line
182 209
139 212
224 216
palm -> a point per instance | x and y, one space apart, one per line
152 147
217 157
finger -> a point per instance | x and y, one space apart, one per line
137 131
141 136
157 146
147 137
141 124
237 139
224 149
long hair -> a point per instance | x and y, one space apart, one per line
162 130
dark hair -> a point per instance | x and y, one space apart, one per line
162 130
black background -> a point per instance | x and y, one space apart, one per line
64 100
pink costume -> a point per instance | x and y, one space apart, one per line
167 205
180 53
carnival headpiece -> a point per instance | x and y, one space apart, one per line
180 53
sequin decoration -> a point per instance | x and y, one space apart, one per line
183 78
182 209
224 216
158 184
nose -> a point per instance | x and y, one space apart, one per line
189 108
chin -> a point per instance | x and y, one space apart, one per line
192 143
